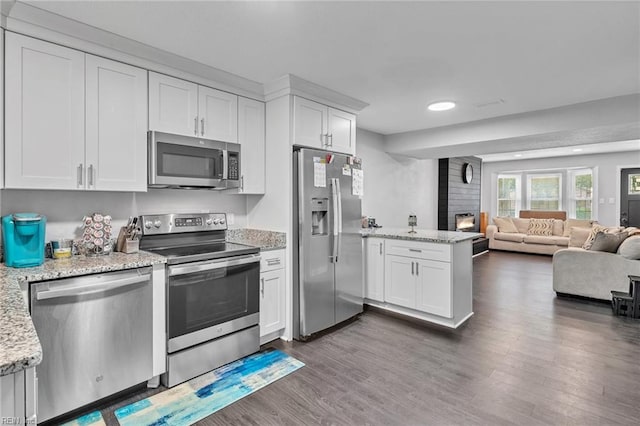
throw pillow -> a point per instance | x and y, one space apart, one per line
578 236
540 227
599 228
581 223
607 242
630 248
505 224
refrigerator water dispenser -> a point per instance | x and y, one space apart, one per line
319 217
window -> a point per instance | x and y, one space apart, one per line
544 192
508 195
581 201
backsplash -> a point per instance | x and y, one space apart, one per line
65 209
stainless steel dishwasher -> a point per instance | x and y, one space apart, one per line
95 332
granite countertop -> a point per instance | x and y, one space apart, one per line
265 240
426 235
19 344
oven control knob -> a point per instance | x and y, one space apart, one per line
148 224
209 222
216 221
157 223
222 221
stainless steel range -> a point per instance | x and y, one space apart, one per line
212 292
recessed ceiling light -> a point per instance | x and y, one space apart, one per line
441 106
517 155
577 149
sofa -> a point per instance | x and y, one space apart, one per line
522 241
594 274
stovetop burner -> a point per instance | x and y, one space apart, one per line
185 254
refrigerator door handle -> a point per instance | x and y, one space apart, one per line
339 218
334 237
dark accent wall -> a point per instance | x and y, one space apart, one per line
455 196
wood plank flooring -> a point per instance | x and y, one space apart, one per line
525 358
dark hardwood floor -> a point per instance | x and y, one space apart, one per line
526 357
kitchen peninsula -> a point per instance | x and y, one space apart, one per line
426 275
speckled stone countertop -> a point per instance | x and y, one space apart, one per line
19 344
426 235
266 240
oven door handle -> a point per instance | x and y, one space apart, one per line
212 265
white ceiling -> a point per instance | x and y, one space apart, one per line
399 56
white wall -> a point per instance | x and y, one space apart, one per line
608 176
65 209
396 186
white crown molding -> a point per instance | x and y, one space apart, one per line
38 23
290 84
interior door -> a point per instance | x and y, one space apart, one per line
630 197
316 271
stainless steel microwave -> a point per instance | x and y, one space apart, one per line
177 161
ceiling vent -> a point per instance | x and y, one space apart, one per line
489 103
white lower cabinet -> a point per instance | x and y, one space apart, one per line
272 295
18 397
425 280
374 272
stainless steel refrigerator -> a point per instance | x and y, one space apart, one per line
327 270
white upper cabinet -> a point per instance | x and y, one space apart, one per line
173 105
116 126
218 114
310 123
44 115
319 126
184 108
46 145
251 137
342 131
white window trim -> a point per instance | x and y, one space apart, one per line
545 175
518 178
571 210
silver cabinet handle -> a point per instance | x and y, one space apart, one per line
90 174
412 269
416 250
242 183
262 286
202 126
330 136
417 269
380 248
80 173
195 126
325 137
272 262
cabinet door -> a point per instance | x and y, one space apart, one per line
342 131
400 281
173 105
44 115
251 138
434 287
116 126
309 123
271 301
217 115
374 279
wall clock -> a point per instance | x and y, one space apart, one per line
467 173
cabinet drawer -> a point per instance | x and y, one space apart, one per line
419 250
272 260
